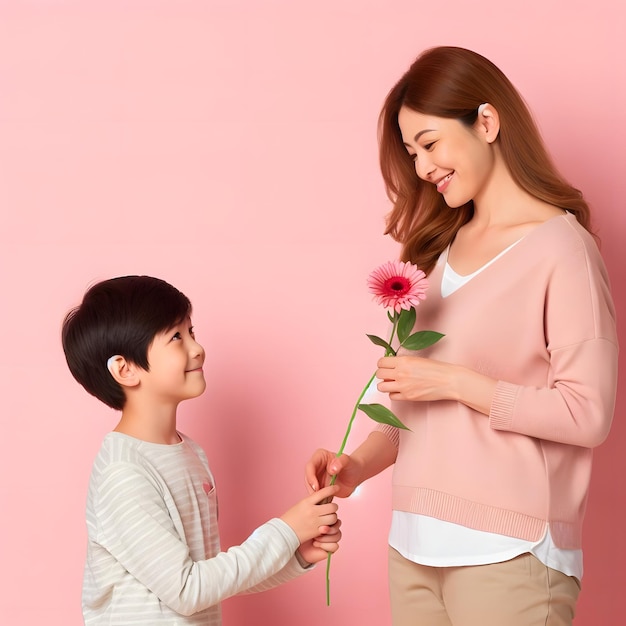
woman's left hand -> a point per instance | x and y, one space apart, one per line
415 378
419 379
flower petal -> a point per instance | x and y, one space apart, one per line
398 285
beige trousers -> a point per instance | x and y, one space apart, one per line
519 592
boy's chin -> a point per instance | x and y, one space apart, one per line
201 389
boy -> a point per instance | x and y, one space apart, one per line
153 553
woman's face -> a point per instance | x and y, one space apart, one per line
457 159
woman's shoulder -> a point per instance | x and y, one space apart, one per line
563 247
564 232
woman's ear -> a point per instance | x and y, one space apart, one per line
488 122
124 372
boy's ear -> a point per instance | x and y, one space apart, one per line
124 372
488 122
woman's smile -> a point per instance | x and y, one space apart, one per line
442 184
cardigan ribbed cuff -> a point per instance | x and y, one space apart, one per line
502 405
392 433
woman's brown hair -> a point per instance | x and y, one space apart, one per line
452 82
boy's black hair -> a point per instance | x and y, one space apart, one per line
118 316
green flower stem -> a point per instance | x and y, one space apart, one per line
354 412
396 317
334 477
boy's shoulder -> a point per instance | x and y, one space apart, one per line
119 448
121 457
122 453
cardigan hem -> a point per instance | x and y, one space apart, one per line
483 517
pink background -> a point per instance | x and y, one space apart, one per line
229 147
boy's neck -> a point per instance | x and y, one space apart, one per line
154 426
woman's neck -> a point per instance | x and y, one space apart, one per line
501 201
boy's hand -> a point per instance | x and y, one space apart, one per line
320 547
309 518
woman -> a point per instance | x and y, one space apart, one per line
490 482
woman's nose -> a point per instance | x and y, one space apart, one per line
424 167
424 170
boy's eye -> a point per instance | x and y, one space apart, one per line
192 333
177 336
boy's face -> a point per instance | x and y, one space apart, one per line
175 359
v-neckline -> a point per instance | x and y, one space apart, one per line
503 254
484 266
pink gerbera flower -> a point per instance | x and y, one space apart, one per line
398 285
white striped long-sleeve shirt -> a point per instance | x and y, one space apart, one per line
154 554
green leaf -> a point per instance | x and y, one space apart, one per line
381 342
382 415
421 339
391 316
406 323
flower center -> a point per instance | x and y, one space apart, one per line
397 285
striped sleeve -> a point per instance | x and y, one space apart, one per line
136 529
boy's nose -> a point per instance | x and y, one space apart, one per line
197 350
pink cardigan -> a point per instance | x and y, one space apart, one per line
541 321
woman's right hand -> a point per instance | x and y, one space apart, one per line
324 464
